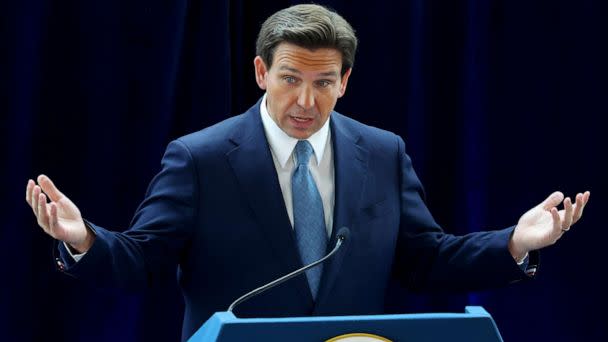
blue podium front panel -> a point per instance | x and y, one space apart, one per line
472 326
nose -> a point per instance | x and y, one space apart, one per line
306 98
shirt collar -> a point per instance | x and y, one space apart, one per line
282 145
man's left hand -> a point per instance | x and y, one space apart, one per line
544 224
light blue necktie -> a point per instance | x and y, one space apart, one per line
308 217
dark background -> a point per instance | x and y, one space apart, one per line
500 103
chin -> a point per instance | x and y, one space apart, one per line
300 135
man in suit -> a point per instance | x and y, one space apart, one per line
258 195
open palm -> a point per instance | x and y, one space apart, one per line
544 224
59 218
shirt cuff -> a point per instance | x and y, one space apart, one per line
76 257
523 264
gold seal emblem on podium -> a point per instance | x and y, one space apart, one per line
358 337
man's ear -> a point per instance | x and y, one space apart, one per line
261 72
344 82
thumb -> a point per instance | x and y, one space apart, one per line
49 188
553 200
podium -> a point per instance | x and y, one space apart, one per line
474 325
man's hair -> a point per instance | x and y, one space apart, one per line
308 26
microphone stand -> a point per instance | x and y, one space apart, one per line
341 238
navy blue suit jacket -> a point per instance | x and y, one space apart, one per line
216 210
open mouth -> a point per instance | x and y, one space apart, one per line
301 119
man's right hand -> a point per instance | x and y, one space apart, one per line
60 218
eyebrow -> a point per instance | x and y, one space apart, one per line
296 71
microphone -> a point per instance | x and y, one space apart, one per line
343 235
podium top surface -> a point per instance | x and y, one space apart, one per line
470 312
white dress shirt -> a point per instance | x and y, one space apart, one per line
321 167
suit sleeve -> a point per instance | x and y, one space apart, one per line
160 230
428 259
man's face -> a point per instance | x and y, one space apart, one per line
302 87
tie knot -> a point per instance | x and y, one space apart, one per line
303 152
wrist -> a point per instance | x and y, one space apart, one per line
518 253
85 245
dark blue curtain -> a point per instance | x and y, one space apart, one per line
500 103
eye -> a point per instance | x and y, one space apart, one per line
324 83
290 79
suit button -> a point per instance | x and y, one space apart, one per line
60 264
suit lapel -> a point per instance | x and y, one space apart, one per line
350 168
253 166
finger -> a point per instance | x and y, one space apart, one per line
553 200
580 205
557 222
567 221
35 194
43 215
586 196
53 220
49 188
578 208
28 191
